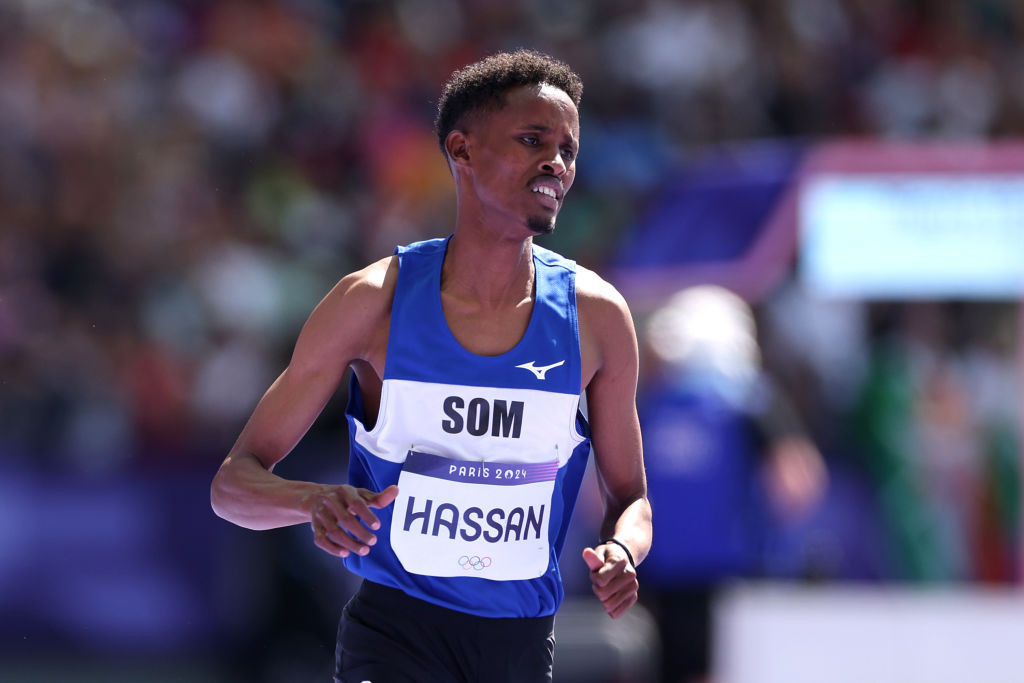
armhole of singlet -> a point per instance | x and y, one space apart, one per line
580 419
383 414
579 415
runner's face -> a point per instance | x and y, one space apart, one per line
524 155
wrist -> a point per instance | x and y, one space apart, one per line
310 495
625 548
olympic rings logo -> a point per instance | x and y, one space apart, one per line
474 562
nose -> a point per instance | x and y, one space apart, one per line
554 166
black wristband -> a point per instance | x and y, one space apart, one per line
621 545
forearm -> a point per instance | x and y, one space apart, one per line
245 493
630 523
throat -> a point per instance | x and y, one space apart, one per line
487 331
488 293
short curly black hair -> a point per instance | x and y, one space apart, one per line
483 84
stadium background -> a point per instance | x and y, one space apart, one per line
180 182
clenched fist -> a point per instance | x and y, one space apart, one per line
613 578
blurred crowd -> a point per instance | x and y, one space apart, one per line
180 182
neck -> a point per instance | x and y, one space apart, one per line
491 271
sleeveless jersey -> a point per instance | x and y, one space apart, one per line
488 451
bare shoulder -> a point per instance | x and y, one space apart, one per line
607 335
348 320
363 294
372 285
598 301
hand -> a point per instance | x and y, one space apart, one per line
796 476
612 577
341 518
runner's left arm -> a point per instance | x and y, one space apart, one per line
618 452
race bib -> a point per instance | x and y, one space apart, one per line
463 518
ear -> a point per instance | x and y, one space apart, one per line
457 146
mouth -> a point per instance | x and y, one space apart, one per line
547 197
548 191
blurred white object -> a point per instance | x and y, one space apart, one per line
792 634
913 235
708 329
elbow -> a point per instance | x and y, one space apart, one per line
622 500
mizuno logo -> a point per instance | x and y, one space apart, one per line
541 371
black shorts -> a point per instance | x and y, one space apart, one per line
386 636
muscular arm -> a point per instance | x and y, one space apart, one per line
340 330
610 353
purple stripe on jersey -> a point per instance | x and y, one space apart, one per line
476 472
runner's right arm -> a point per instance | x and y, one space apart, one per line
245 490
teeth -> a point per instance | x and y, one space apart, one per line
546 190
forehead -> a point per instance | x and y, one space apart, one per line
541 104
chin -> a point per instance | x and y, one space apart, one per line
541 226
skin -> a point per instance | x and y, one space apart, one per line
497 159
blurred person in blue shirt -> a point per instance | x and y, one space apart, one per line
715 429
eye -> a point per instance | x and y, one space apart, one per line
568 153
530 140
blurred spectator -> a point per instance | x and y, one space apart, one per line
936 419
714 427
148 141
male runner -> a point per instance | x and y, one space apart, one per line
469 355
